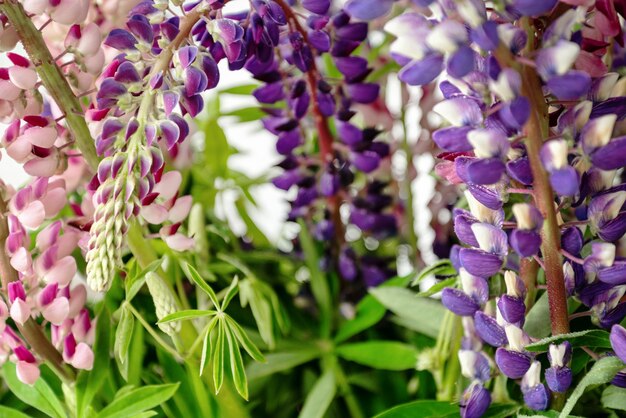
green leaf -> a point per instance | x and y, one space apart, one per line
134 284
216 149
11 413
385 355
244 340
123 335
442 268
603 371
438 287
423 314
246 114
193 274
278 362
422 409
237 368
230 293
219 357
39 395
186 314
536 324
588 338
503 410
614 398
368 313
89 383
319 282
320 397
136 401
244 90
206 344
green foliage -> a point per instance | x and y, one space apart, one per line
602 372
589 338
39 396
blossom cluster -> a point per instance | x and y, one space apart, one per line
532 128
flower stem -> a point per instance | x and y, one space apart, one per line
52 78
321 122
31 330
536 129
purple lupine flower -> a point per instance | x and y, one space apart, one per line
564 179
475 401
559 375
514 361
526 238
536 394
618 341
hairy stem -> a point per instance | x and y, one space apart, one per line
536 130
52 78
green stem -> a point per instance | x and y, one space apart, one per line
452 371
348 395
412 238
153 333
52 78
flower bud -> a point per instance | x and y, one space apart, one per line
475 401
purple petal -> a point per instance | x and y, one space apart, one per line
453 139
475 401
489 330
513 364
419 73
458 302
461 62
319 7
534 7
485 170
559 379
525 243
611 156
512 309
364 92
368 9
120 39
537 398
520 170
480 263
570 86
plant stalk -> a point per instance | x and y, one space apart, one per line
52 78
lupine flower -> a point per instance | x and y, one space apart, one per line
559 375
536 394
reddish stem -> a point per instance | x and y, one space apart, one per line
321 122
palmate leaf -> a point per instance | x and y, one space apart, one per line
193 274
131 402
237 368
206 346
230 293
39 395
124 334
219 356
587 338
186 314
245 341
320 397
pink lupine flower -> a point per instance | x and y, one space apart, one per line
27 368
78 355
4 314
38 201
20 309
162 204
54 307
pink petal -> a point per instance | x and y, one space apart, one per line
44 137
9 91
41 167
35 7
181 209
21 260
57 311
169 184
179 242
54 201
33 215
78 296
591 64
19 149
90 40
83 357
20 311
27 373
63 271
48 236
154 213
24 78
